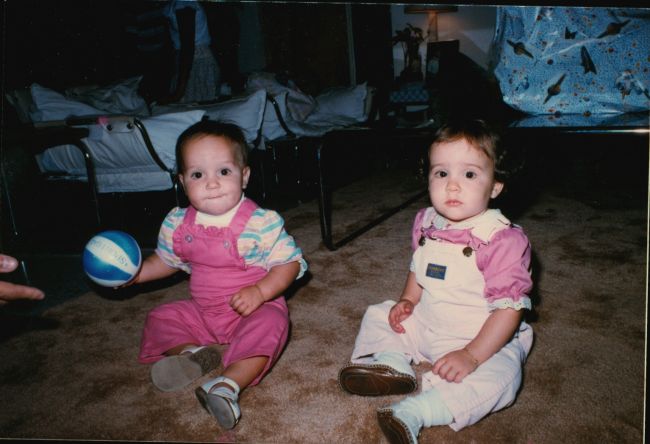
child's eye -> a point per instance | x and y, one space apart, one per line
225 171
440 173
470 175
196 175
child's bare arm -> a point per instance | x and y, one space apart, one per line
153 268
495 333
409 298
248 299
278 280
412 291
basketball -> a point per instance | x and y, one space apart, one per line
112 258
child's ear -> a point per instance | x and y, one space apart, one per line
496 189
246 173
180 179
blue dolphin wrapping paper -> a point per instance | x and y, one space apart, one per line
573 60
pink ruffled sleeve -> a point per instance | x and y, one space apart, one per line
505 264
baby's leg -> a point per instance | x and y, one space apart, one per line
170 327
491 387
220 396
401 422
256 344
246 371
262 334
172 336
376 335
381 360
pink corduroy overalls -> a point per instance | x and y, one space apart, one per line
218 272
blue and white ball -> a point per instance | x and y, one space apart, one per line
112 258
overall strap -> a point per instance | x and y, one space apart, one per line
190 215
177 236
244 213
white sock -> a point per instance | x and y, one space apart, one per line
192 349
408 411
433 408
424 410
397 360
233 386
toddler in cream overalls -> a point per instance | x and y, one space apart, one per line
461 308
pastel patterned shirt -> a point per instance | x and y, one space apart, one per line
263 243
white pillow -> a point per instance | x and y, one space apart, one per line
51 105
164 130
348 102
117 98
246 112
271 127
299 104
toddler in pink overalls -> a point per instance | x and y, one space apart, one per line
240 261
461 308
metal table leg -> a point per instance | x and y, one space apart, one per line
325 207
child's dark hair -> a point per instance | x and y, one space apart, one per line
229 131
483 136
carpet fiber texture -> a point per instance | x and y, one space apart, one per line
74 374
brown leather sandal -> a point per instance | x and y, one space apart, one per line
375 380
395 430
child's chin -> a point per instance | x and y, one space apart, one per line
453 216
212 211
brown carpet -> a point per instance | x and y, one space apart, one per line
74 375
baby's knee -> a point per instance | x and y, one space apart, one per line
268 320
275 315
161 313
379 311
171 313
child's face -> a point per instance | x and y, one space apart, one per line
461 180
213 179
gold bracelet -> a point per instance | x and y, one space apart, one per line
472 357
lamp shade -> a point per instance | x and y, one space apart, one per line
425 8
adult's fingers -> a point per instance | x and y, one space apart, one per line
11 292
7 263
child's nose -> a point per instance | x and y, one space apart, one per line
213 182
452 184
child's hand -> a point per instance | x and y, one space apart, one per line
398 313
247 300
454 366
134 280
151 269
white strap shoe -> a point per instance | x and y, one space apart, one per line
221 402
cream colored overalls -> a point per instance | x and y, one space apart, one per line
450 314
